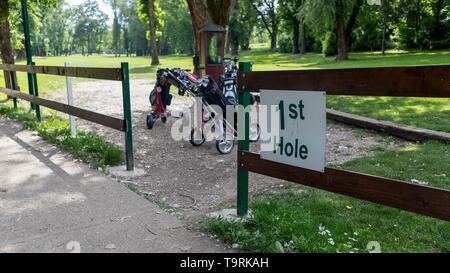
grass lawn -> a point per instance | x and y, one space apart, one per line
425 113
429 113
302 219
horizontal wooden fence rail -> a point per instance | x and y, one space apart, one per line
111 74
111 122
430 81
423 200
427 81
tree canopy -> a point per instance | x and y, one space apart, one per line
328 26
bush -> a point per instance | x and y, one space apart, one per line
329 47
285 43
368 38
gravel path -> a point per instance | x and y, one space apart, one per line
193 180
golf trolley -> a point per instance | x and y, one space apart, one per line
223 97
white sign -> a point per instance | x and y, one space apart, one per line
295 131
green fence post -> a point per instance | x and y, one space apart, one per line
28 50
127 115
36 93
12 76
243 145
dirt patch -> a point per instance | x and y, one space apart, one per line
193 180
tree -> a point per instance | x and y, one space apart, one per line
351 23
302 30
137 30
126 10
290 21
386 8
242 23
151 15
5 39
177 35
339 26
148 13
47 26
90 28
437 10
116 28
7 52
209 11
410 14
267 11
325 15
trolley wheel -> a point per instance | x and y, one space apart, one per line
164 120
196 142
150 121
225 146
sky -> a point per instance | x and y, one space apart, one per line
103 6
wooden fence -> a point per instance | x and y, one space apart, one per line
430 81
111 74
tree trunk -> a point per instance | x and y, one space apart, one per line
437 15
234 44
245 45
126 41
200 18
303 48
340 32
273 44
417 16
385 9
273 39
351 24
205 12
5 40
383 42
302 30
151 16
295 39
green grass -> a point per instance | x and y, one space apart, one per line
308 220
429 113
266 60
86 146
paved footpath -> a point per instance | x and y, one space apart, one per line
49 203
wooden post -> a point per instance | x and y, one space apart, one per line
35 90
73 128
13 79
